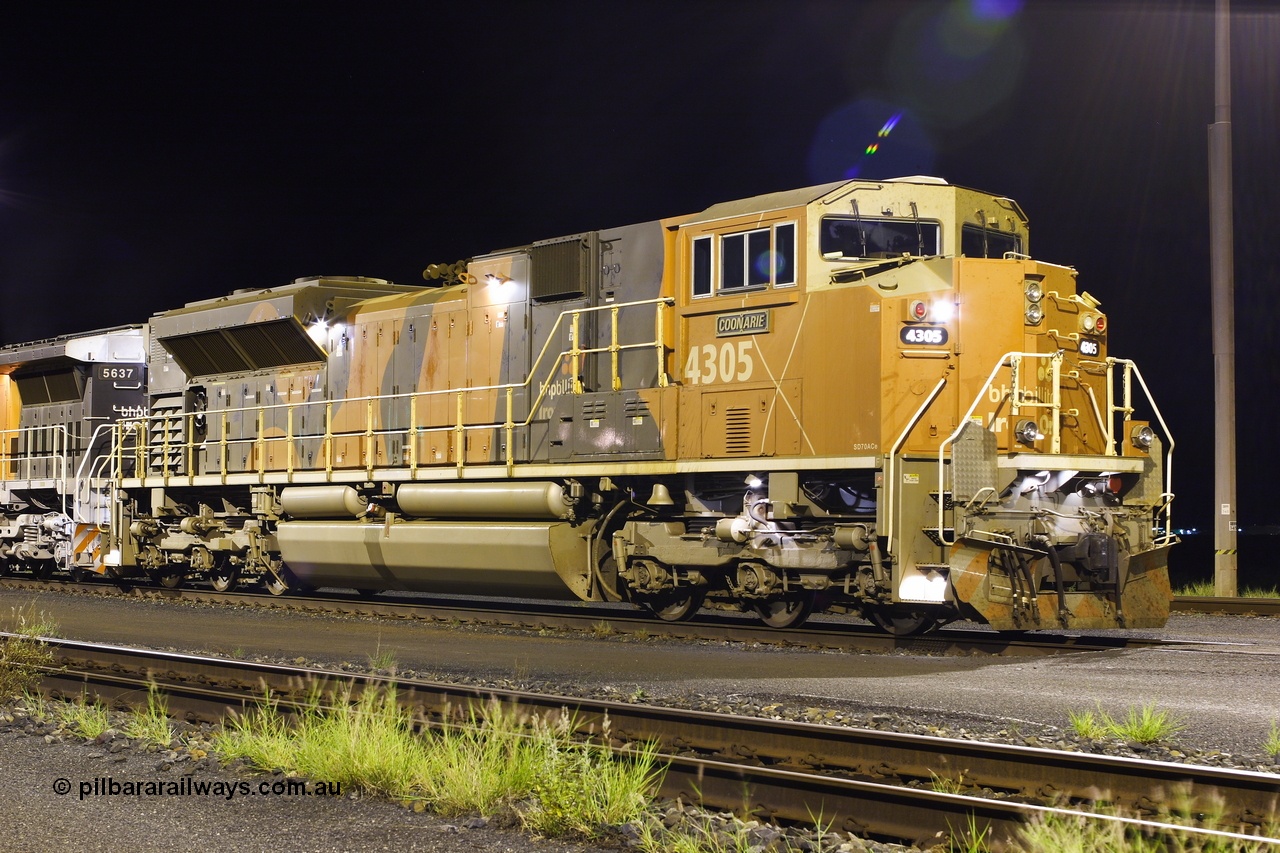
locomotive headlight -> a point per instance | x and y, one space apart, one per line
1142 436
1033 290
1034 314
1027 432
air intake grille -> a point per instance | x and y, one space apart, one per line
235 350
737 431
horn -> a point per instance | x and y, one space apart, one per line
660 497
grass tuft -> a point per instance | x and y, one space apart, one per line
151 723
971 839
1272 743
1144 725
88 720
22 658
32 624
584 787
21 661
947 785
486 762
1206 589
383 660
1087 725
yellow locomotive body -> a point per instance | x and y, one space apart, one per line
862 396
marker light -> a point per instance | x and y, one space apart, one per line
1087 322
942 311
919 310
1100 325
318 331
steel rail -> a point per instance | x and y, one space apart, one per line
537 615
784 770
1251 606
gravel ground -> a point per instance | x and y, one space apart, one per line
1220 683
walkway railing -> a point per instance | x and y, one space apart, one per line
166 445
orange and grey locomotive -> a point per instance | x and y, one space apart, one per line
863 397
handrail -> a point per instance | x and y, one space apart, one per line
891 474
90 462
368 433
1012 361
1130 366
963 422
57 454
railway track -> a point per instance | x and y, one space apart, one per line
875 783
1252 606
820 633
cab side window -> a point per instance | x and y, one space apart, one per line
745 260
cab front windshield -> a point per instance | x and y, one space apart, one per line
851 237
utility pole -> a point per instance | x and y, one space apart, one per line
1224 321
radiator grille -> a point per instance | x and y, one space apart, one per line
234 350
561 270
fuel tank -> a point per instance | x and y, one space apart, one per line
546 559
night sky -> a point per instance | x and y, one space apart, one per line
153 154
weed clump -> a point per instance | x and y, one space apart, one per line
487 762
23 657
1272 744
1140 725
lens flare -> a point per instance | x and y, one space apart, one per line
771 263
996 10
898 143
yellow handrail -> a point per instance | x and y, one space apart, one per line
368 433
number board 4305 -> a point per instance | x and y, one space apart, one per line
929 336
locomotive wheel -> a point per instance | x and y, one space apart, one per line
673 606
785 612
170 579
901 622
274 585
223 576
